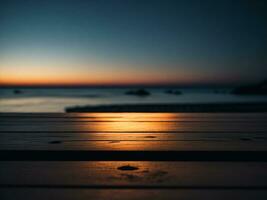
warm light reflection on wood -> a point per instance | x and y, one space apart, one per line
133 116
129 122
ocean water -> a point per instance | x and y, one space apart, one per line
57 99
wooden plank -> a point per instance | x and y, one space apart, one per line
50 137
107 174
135 127
138 115
138 145
11 120
8 122
135 116
117 146
185 136
130 194
138 137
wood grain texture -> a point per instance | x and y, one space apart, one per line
133 156
144 132
129 194
157 174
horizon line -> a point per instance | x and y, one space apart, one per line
119 85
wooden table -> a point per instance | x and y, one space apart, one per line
133 156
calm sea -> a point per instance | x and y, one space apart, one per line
56 99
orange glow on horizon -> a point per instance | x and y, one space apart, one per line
94 80
11 81
33 73
69 79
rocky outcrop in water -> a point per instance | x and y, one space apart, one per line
175 92
139 92
256 89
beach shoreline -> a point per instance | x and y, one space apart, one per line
173 107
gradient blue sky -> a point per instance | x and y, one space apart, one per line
132 42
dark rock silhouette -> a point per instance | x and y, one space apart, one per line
140 92
176 92
17 91
256 89
128 168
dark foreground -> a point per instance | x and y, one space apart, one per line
133 156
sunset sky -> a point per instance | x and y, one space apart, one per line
123 42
